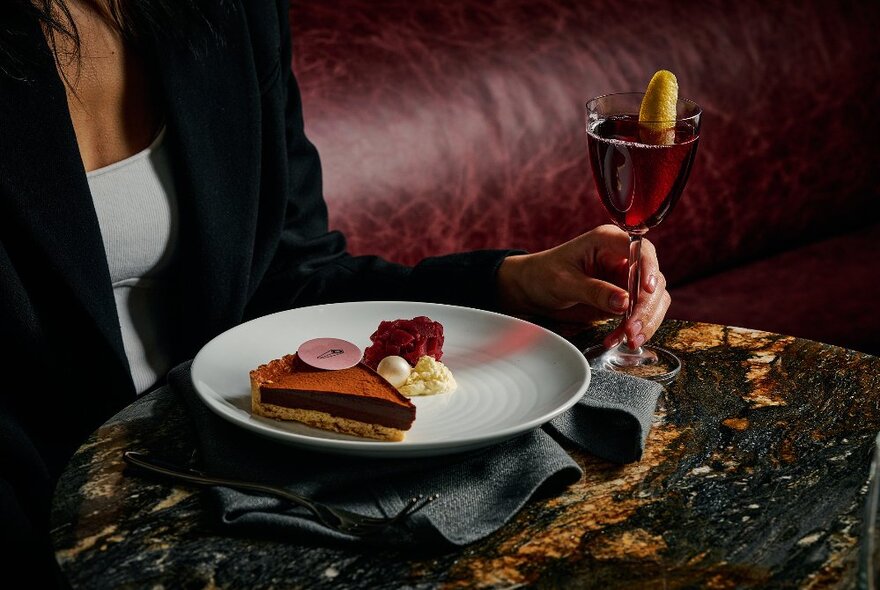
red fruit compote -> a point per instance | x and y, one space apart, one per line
639 182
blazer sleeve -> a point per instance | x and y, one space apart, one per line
310 264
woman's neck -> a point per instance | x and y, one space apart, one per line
109 94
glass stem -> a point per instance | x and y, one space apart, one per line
635 273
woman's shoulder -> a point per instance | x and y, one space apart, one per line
266 17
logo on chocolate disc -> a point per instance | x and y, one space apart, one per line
331 354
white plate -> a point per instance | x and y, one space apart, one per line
512 375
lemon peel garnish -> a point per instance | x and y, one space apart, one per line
657 112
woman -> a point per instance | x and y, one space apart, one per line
157 189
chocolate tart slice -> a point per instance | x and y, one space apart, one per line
354 401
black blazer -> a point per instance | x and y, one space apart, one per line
254 238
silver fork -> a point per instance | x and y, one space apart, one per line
337 519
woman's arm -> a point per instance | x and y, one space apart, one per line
310 263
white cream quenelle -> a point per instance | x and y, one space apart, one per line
395 370
428 377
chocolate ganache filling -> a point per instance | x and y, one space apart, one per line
362 409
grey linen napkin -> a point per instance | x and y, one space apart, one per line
479 490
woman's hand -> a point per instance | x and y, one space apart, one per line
584 280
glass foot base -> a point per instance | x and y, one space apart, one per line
647 362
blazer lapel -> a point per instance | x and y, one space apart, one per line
48 204
212 106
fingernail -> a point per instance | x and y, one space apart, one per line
652 283
639 340
636 327
618 301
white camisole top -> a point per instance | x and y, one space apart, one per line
136 204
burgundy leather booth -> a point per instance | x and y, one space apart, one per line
460 124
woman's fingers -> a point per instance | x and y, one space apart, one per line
652 304
645 319
650 266
586 279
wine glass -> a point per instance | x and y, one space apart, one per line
640 169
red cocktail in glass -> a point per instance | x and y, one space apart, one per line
640 169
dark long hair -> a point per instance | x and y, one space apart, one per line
194 21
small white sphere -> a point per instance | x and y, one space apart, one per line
394 369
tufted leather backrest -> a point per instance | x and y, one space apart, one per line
460 124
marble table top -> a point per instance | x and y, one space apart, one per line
754 475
